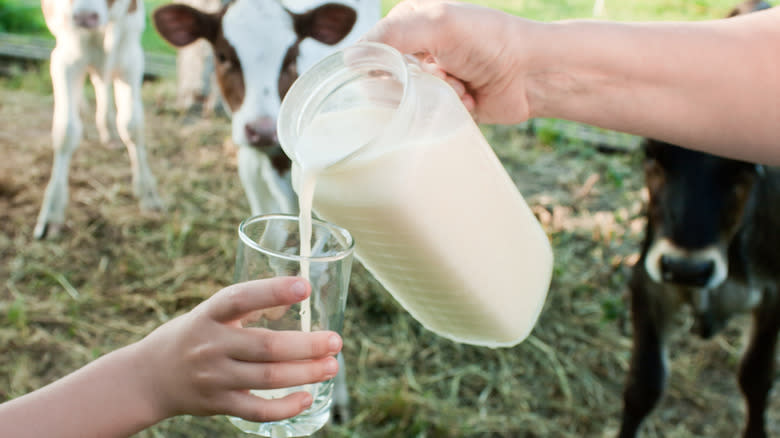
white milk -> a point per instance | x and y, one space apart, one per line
439 223
304 222
312 162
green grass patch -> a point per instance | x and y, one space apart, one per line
21 17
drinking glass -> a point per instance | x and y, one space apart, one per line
270 246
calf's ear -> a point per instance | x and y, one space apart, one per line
181 25
328 23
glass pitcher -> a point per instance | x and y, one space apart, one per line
402 165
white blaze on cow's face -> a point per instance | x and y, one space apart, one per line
260 32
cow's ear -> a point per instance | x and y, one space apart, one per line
181 25
328 23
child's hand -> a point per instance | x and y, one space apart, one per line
205 363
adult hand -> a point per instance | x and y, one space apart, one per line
477 50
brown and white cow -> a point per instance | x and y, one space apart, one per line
260 47
101 38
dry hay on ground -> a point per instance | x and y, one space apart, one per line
117 273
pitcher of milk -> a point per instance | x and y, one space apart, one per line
390 153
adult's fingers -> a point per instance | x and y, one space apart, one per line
263 345
240 299
412 26
254 408
274 375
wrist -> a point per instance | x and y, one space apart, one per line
567 68
149 393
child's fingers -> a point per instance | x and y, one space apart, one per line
273 375
240 299
254 408
263 345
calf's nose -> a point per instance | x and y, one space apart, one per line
261 132
686 271
86 19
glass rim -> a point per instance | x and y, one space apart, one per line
332 228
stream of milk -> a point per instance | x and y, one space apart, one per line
322 144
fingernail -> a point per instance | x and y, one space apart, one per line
332 368
306 400
298 288
334 343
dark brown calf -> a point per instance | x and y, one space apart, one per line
712 243
749 6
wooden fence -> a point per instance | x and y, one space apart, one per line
27 48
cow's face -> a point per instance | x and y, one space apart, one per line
84 14
90 14
697 203
255 45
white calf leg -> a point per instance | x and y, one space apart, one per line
67 84
194 80
103 105
130 124
265 190
598 8
340 411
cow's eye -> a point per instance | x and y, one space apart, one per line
221 58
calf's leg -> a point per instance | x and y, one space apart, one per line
647 374
756 370
130 124
103 113
67 84
341 413
265 190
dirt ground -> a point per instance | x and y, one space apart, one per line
117 273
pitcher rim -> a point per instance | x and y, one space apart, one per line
301 82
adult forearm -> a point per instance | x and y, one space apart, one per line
104 399
695 84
